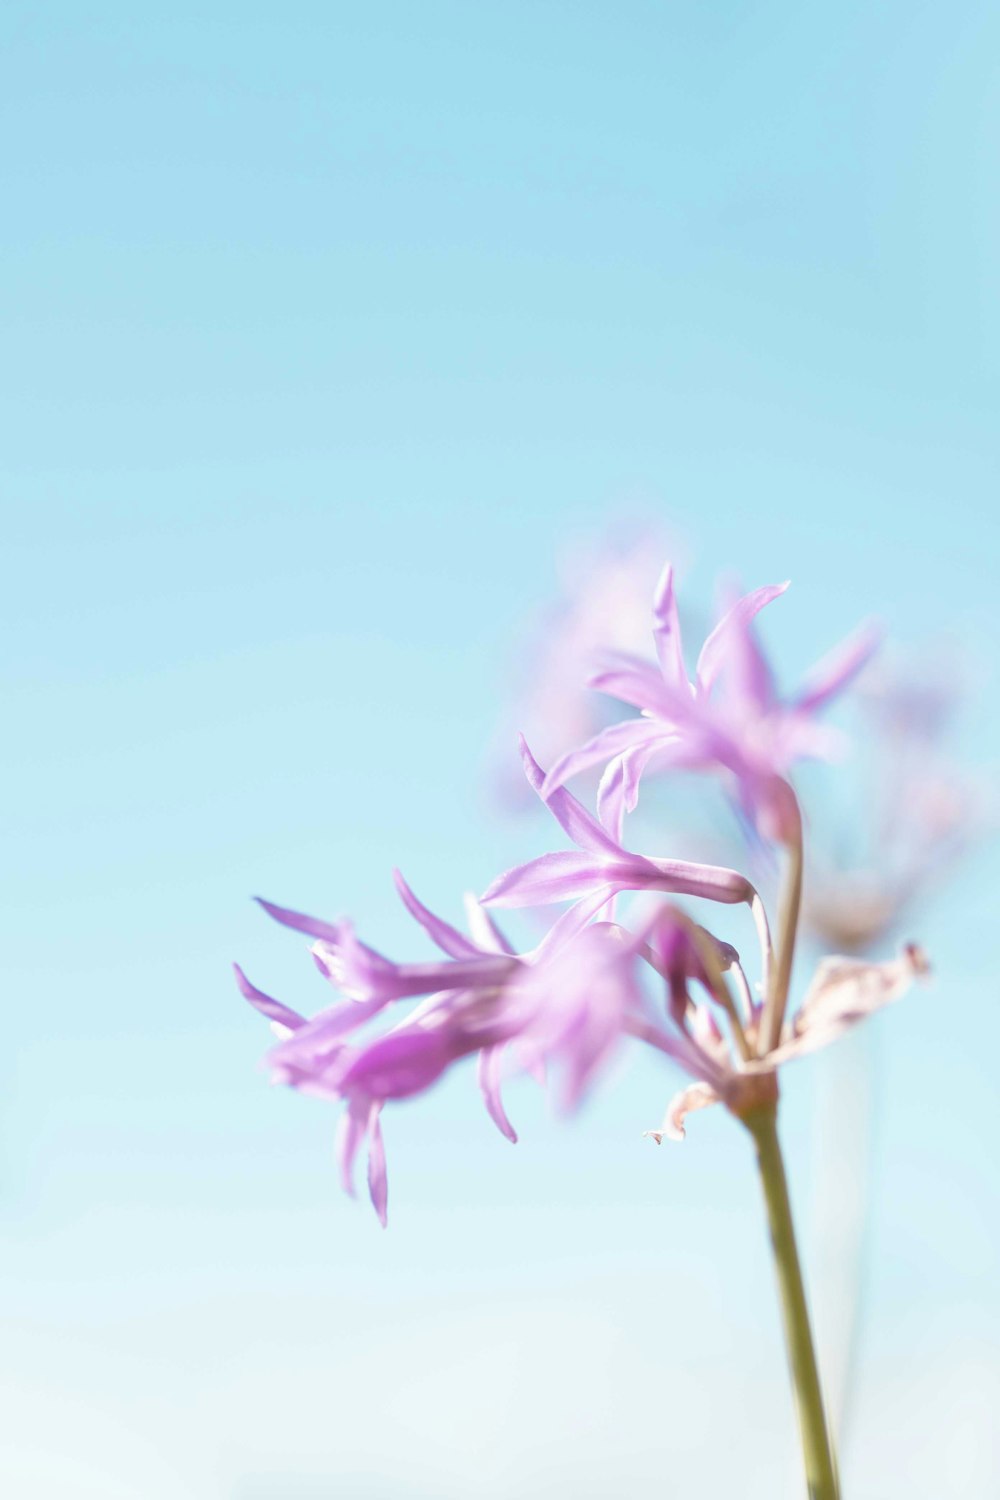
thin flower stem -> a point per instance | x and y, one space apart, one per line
743 985
788 923
720 989
817 1450
759 913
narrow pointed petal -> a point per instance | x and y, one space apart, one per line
611 798
838 669
447 938
488 1077
571 815
311 926
378 1184
712 882
562 876
614 740
667 630
713 653
350 1133
573 921
363 974
273 1009
486 934
639 683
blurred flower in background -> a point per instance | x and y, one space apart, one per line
918 810
601 606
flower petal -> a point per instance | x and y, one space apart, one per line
405 1062
488 1077
562 876
632 680
713 654
844 992
273 1009
447 938
311 926
351 1129
378 1184
839 667
572 922
667 630
695 1096
611 797
486 934
363 974
612 741
571 815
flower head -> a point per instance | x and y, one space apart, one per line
561 1010
479 998
728 718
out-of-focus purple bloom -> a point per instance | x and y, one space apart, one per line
728 719
920 810
602 605
473 1000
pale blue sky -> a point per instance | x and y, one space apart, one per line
325 327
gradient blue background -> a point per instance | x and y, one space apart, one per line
324 328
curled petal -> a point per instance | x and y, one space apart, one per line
486 934
488 1077
695 1096
585 831
844 992
614 740
447 938
278 1014
299 922
839 667
351 1129
611 797
571 922
378 1184
716 647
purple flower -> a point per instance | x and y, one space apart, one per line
602 588
728 719
473 1000
600 863
561 1011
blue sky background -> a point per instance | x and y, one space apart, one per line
326 328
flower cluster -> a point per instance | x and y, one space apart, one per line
591 985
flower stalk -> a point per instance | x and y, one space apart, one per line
817 1449
788 923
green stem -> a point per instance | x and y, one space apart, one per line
817 1450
